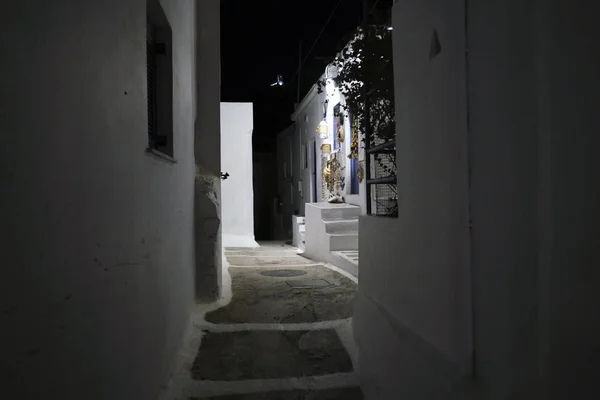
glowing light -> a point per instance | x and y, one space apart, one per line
323 130
279 81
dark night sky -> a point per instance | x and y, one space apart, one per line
260 39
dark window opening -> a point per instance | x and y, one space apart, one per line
159 65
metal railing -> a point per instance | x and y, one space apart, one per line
382 192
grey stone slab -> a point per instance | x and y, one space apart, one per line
262 261
229 356
266 252
308 283
283 273
351 393
263 299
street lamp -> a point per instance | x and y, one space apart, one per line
279 81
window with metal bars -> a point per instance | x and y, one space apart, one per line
159 68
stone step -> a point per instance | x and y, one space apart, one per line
353 255
341 226
346 260
342 212
343 241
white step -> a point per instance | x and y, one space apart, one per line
343 241
341 226
302 228
342 260
351 255
340 213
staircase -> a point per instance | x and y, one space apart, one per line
331 228
342 234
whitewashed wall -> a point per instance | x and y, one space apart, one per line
413 311
237 190
98 234
525 253
307 117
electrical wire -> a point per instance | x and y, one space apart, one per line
317 39
370 10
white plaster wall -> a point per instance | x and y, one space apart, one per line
569 222
534 210
413 313
535 197
207 152
237 193
306 121
97 236
316 240
297 236
315 115
504 192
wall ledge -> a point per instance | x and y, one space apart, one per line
160 155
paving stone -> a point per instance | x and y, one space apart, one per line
308 283
270 252
267 247
229 356
283 273
264 299
262 261
353 393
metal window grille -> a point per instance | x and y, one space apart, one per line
381 179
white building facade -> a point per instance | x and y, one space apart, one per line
322 187
316 111
237 192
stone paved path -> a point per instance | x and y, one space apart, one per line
282 331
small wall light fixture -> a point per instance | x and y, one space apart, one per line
323 130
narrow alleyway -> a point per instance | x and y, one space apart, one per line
281 331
